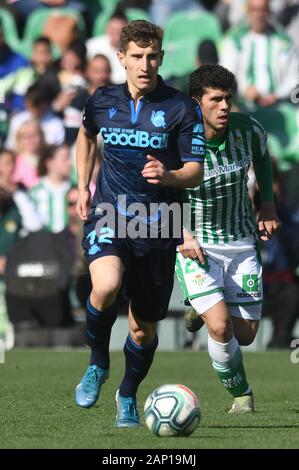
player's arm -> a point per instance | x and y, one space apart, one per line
268 221
191 146
86 148
191 248
189 176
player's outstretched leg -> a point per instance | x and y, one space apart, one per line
138 362
227 362
99 325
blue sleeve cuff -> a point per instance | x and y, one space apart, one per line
193 159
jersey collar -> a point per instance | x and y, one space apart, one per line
218 143
156 93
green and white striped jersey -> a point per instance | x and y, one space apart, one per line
268 60
51 204
220 207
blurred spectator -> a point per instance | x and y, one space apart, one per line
262 57
17 215
49 195
98 74
10 63
29 144
293 27
206 54
108 44
72 66
37 104
10 224
72 80
233 12
30 220
25 7
39 70
161 10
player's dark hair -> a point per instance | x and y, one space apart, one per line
143 33
210 76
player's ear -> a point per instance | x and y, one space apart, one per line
121 58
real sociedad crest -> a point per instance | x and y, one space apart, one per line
157 118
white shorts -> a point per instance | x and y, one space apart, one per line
229 275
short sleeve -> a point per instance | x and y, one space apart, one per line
88 119
191 137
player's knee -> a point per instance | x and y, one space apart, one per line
104 295
143 336
222 331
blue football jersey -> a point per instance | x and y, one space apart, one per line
166 124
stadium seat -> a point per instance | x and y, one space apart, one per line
37 19
108 8
193 24
182 35
10 30
100 22
109 5
136 14
282 125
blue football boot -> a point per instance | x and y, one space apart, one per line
88 390
127 413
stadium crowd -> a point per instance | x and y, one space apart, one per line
53 55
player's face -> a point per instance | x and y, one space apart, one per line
215 106
141 64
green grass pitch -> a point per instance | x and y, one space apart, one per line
38 409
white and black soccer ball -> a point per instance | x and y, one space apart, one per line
172 410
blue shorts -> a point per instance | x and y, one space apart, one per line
148 278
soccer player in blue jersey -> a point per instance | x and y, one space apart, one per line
153 147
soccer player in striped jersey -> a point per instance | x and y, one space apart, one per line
219 268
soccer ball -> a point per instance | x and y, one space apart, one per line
172 410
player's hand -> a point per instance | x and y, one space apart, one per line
155 172
192 249
268 221
83 204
